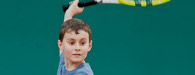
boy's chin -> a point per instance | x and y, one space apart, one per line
77 60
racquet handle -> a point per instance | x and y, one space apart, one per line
81 4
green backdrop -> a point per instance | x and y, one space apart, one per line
127 40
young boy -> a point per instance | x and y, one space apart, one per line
74 44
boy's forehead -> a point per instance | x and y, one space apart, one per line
72 34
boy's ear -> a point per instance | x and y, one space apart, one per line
90 45
60 45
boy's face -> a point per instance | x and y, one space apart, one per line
75 46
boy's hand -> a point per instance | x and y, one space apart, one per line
73 10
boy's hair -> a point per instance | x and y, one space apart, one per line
74 25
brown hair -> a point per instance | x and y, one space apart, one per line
74 25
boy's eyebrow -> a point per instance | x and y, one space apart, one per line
70 39
74 39
83 39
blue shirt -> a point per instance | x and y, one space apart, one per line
83 69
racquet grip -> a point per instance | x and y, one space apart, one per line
81 4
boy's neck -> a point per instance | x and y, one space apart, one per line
72 65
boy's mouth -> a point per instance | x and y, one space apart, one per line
76 55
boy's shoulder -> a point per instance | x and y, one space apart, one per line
84 69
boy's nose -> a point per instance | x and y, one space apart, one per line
77 48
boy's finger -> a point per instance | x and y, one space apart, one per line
70 2
76 1
82 7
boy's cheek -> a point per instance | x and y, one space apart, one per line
68 49
84 55
68 53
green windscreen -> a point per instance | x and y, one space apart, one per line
127 40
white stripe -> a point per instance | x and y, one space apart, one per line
109 1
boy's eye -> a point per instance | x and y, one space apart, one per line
82 43
72 43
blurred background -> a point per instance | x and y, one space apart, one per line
127 40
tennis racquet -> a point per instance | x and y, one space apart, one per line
142 3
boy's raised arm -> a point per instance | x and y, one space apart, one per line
73 10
